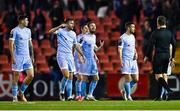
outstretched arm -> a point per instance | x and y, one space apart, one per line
96 48
53 30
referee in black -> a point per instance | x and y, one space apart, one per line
160 40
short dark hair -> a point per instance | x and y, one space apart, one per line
68 19
128 24
161 20
22 17
90 22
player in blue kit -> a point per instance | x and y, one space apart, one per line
22 56
66 39
90 67
128 60
78 64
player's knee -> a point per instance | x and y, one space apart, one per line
96 78
31 76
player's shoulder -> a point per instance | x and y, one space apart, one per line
123 36
14 29
72 33
27 28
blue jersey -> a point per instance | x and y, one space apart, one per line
66 39
127 43
88 44
21 37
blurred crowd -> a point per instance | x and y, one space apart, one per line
126 10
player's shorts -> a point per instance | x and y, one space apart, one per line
89 68
22 63
160 63
129 67
66 61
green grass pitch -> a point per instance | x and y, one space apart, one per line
91 105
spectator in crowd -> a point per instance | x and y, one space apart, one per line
10 18
1 40
39 25
146 31
55 70
56 13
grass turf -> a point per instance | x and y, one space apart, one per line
91 105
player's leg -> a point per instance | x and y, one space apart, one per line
63 64
135 74
127 87
25 84
69 86
126 71
84 86
92 87
78 87
15 85
92 70
63 84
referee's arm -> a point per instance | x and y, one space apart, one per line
150 46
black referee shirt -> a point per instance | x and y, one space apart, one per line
161 40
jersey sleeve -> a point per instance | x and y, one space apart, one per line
120 42
13 34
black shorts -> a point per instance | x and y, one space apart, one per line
160 63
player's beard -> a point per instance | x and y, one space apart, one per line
92 31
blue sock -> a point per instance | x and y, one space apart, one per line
92 86
83 88
132 84
14 90
69 88
78 87
127 88
23 87
63 84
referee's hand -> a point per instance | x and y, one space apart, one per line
172 63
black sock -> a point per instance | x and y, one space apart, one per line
164 84
159 90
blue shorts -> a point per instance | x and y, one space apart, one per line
129 67
89 68
66 61
22 63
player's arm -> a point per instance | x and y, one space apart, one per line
135 55
96 58
96 48
11 47
31 50
80 53
120 47
53 30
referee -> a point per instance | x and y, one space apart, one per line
161 39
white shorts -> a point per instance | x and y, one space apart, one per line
22 63
129 67
66 61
